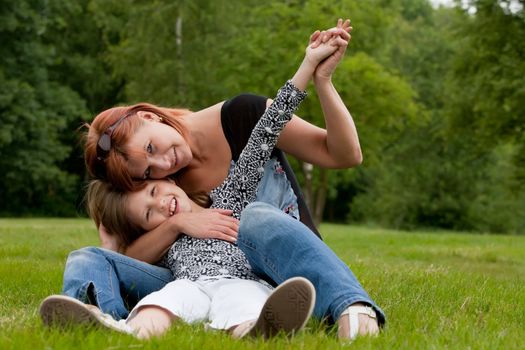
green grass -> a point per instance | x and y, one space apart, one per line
439 290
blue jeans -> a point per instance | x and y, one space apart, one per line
110 280
281 247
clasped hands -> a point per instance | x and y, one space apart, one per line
340 37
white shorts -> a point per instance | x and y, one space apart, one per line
223 302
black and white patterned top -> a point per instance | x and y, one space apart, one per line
191 258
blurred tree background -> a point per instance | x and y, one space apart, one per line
438 96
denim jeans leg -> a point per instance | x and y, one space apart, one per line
105 278
275 189
281 247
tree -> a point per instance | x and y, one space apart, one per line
169 53
53 78
487 109
490 63
34 111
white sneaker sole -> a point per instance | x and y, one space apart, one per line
63 311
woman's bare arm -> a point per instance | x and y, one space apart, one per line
337 146
207 223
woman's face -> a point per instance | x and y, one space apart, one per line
166 150
156 203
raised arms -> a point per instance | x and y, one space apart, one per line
337 146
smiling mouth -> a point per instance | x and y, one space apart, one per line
173 206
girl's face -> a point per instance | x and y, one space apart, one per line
165 150
156 203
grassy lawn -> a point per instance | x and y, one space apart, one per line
439 290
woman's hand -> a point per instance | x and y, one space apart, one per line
326 68
208 223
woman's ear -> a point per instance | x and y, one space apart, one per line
149 116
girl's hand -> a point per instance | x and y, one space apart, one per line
315 55
208 223
326 68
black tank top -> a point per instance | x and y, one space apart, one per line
238 118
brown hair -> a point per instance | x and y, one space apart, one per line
106 205
114 167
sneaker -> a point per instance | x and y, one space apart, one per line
63 311
287 310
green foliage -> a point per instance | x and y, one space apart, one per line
170 53
490 63
51 79
35 111
500 194
490 112
437 95
382 103
448 170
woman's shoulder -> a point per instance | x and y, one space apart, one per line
244 104
239 115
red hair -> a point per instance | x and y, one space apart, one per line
114 167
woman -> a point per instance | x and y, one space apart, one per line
213 280
131 143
